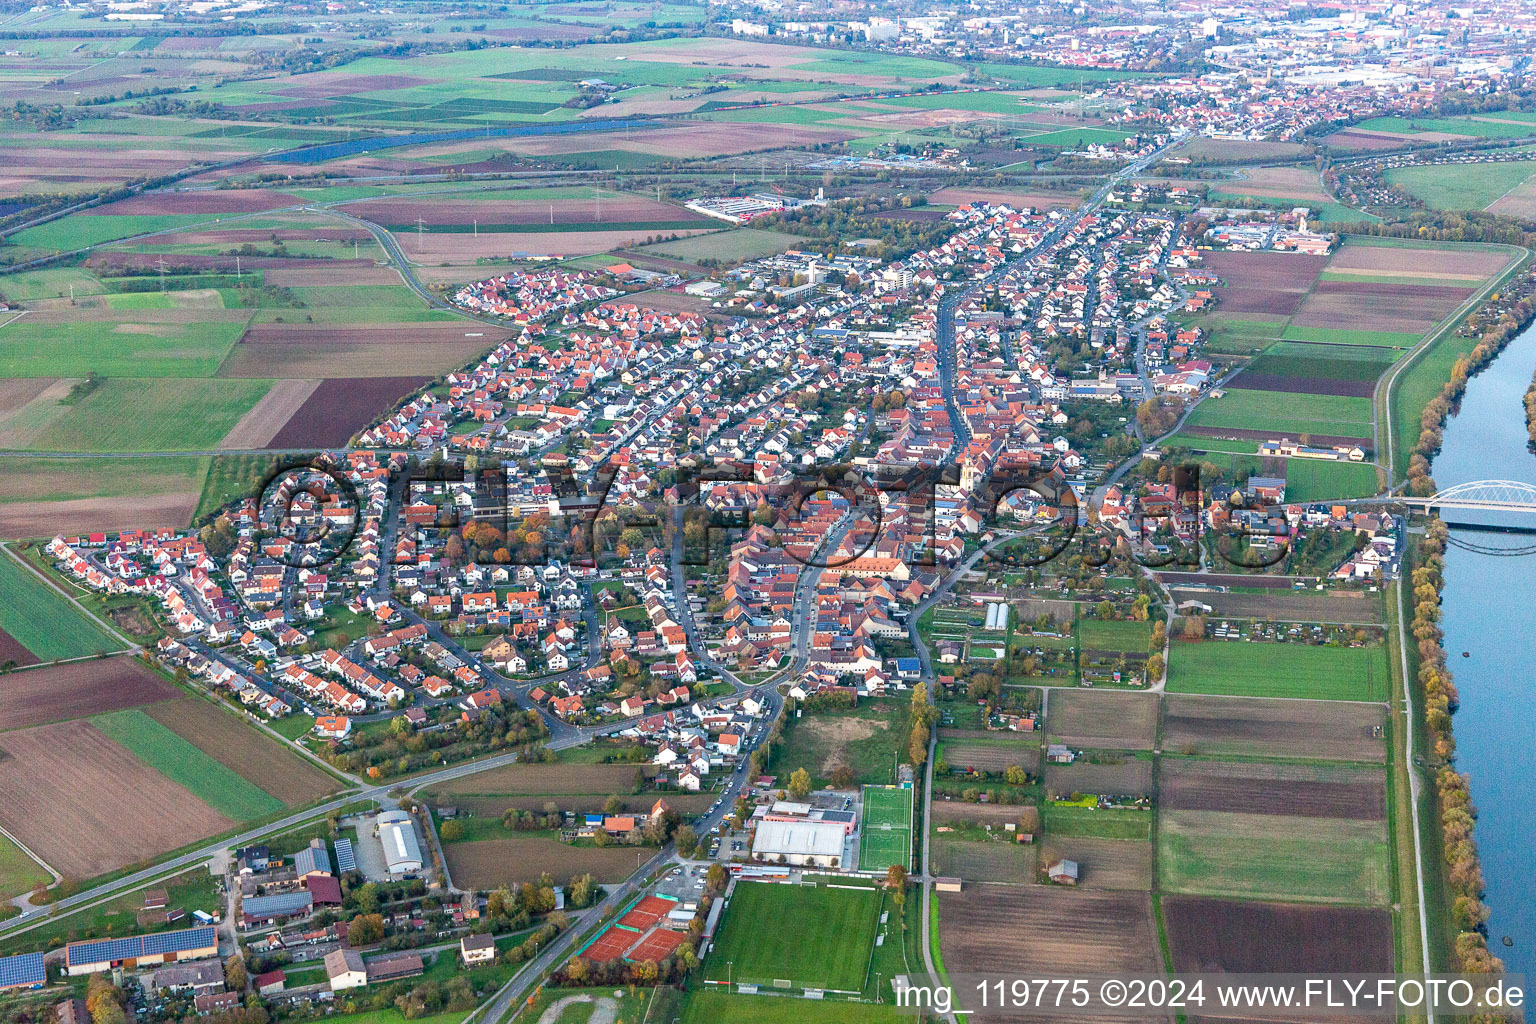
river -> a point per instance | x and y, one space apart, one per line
1490 612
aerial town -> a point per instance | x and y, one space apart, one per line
749 512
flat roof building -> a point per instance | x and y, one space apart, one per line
805 843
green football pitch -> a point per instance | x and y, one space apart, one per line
885 836
796 936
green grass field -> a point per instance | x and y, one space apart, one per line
1461 186
151 348
1330 362
1315 480
1113 635
18 872
707 1006
1271 856
1330 415
82 229
140 414
187 765
1416 387
1092 823
43 621
885 835
1483 126
807 936
1279 670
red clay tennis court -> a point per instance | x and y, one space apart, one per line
656 946
646 913
610 945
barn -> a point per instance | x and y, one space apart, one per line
95 955
23 971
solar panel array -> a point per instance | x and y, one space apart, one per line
25 969
102 950
345 861
279 903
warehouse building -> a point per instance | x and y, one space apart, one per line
803 843
402 850
96 955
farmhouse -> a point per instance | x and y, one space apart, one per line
96 955
804 843
345 969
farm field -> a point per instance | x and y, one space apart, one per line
516 859
191 415
42 621
62 692
556 779
242 749
1104 776
1103 863
824 937
1272 856
1313 790
1325 415
1462 186
1113 635
1251 937
989 752
1055 930
1278 670
1350 607
1242 727
56 486
1101 719
885 835
186 765
993 859
90 834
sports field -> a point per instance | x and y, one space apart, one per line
885 837
796 936
42 621
187 765
1279 670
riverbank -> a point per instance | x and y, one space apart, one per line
1486 621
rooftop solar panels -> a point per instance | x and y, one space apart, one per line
277 905
22 971
345 861
99 951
